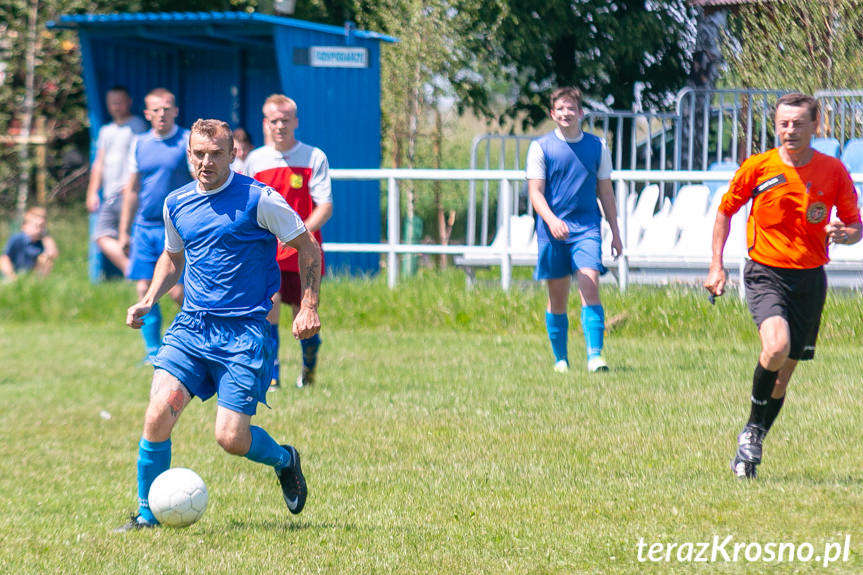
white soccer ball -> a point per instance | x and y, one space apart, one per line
178 497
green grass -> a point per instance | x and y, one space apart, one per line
437 439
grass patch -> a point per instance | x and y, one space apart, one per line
437 438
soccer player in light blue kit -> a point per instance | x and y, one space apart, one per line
567 170
157 165
222 228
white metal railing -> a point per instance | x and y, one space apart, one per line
392 245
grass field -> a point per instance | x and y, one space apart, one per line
437 440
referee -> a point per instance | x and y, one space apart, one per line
793 189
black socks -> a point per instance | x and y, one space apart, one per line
763 381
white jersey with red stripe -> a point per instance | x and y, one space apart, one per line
301 175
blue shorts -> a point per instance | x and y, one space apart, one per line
148 243
228 356
559 259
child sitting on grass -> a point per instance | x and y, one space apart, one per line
31 249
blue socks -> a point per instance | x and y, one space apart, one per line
310 351
153 459
309 348
264 449
557 326
593 325
152 330
274 338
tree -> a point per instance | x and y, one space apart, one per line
796 44
604 48
41 85
432 55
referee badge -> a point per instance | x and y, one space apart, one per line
296 181
816 213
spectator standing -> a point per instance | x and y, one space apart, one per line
110 173
242 147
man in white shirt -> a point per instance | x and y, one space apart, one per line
110 172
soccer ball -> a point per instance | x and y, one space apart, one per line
178 497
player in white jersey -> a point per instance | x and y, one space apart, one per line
300 173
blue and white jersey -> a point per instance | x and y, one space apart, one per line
227 235
571 170
162 165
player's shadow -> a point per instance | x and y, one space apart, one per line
288 525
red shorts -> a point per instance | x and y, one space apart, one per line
291 289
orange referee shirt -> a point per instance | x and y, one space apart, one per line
790 207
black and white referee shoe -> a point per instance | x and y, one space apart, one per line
743 469
749 451
306 377
749 443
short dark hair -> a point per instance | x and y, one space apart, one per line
798 100
119 88
570 92
213 129
241 135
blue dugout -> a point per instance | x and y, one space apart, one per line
224 64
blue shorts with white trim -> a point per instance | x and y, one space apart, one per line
228 356
559 259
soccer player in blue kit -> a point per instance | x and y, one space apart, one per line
222 227
567 170
157 165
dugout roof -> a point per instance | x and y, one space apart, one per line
224 64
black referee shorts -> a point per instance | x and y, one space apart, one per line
796 295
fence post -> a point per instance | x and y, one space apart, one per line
506 258
393 221
743 215
623 225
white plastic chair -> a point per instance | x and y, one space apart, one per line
690 205
521 230
660 234
642 214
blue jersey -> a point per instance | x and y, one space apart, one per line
162 166
570 183
229 238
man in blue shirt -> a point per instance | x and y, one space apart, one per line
157 165
221 228
567 170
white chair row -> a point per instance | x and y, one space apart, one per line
681 230
678 233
